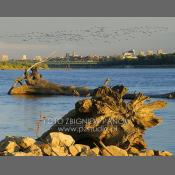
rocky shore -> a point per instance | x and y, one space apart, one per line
102 125
60 144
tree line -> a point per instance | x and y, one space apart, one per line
164 59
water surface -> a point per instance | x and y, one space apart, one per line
18 114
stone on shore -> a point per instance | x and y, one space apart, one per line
88 153
164 153
149 152
46 149
59 139
143 153
22 154
34 149
133 151
77 149
49 150
59 151
26 142
96 151
63 147
114 151
9 146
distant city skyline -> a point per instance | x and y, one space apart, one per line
87 36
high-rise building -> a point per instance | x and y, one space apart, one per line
4 57
141 53
24 57
150 52
129 54
74 54
160 52
38 58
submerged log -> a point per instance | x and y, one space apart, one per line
54 90
43 87
107 119
166 96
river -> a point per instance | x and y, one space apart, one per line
18 114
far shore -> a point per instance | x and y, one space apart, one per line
98 67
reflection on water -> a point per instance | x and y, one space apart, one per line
19 113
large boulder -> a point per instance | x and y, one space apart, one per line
59 139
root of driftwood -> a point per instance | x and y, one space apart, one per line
111 120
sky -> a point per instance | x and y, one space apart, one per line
87 36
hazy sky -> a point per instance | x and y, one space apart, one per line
101 36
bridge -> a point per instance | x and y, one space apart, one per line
73 64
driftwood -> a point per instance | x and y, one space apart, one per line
167 96
107 119
44 87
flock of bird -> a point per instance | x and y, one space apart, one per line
107 35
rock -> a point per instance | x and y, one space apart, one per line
88 153
82 150
73 150
46 149
54 150
23 154
142 154
26 142
162 153
114 151
133 151
59 151
96 150
35 150
20 146
59 139
78 148
165 153
149 153
9 146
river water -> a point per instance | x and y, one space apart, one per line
18 114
